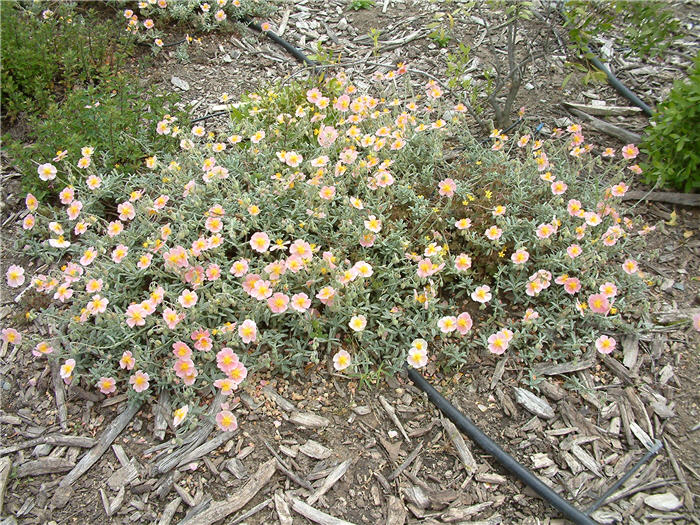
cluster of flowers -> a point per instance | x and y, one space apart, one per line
208 15
310 223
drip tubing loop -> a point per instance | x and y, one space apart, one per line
490 447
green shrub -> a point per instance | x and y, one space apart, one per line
46 54
328 223
673 143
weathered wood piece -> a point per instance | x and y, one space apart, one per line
60 393
51 439
607 128
5 469
395 512
161 411
464 513
309 420
281 402
316 515
315 450
169 511
463 452
334 476
46 465
605 111
64 491
534 404
282 508
249 513
413 455
552 369
683 199
206 448
218 510
287 471
394 418
687 494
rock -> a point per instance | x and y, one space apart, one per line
533 404
179 83
665 502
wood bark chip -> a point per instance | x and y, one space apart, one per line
115 428
607 128
533 403
332 478
463 452
394 418
315 450
161 411
60 393
5 469
287 471
687 494
283 513
395 512
281 402
464 513
617 368
169 511
395 474
206 448
605 111
552 369
41 466
309 420
51 439
249 513
684 199
218 510
316 515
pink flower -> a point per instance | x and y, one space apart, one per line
605 344
558 187
226 421
15 276
181 350
327 192
447 187
183 367
572 285
327 136
248 331
188 298
226 360
482 294
530 315
107 385
12 336
119 253
238 373
260 242
180 414
127 361
696 321
463 262
417 357
301 302
447 324
574 251
464 323
493 233
630 266
630 151
278 303
367 240
213 272
341 360
520 256
599 303
574 207
544 231
358 323
171 318
67 369
608 289
326 295
139 381
239 268
135 315
46 172
497 343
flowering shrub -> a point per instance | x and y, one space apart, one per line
206 16
328 222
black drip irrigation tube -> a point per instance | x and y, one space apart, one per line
490 447
619 86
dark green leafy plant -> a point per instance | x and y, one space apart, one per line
356 5
673 144
47 54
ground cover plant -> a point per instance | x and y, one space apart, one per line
327 224
72 79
